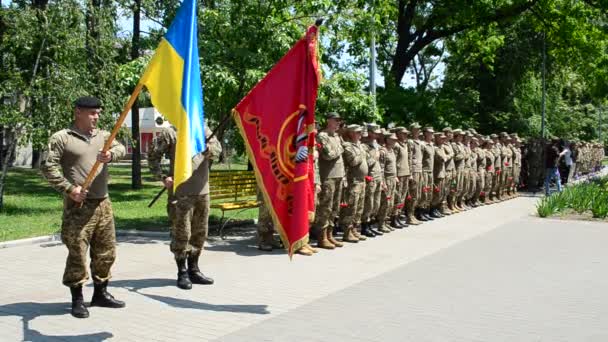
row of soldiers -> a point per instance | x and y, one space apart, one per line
371 181
376 180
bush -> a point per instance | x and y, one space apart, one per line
591 196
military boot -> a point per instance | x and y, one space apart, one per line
304 251
102 298
358 235
265 242
366 231
79 310
312 249
183 281
331 239
322 241
410 218
444 210
419 216
195 274
375 229
434 213
394 223
349 236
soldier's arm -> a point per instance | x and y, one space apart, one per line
351 156
160 146
329 152
51 168
458 152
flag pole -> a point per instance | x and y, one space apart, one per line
108 144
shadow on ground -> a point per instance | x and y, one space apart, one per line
28 311
137 285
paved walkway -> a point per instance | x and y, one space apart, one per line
492 274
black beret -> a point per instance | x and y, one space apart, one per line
87 102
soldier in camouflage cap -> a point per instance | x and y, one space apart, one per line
388 161
416 180
88 220
331 169
374 181
404 172
188 205
355 162
428 160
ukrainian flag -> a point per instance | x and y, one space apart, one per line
173 79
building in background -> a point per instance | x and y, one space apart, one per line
151 123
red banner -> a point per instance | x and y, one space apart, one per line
276 120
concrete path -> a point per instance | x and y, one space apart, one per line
492 274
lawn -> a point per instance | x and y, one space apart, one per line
33 208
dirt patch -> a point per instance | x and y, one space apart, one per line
572 215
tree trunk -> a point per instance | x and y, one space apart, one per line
10 138
36 158
136 155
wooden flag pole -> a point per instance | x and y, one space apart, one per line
108 144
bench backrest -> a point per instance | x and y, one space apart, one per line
232 185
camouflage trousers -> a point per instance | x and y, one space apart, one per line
466 184
480 183
496 182
427 190
329 202
373 191
439 193
459 178
91 225
449 184
387 199
265 227
401 193
415 189
472 184
355 201
189 225
487 186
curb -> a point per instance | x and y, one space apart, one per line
56 238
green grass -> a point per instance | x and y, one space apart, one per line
33 208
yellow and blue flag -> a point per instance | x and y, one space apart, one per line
173 79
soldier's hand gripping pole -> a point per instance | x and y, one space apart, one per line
162 191
108 144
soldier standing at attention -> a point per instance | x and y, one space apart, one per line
416 181
87 213
507 165
374 180
439 174
331 169
497 152
403 172
480 172
388 161
428 160
459 161
189 205
355 163
449 182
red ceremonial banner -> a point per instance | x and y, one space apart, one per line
276 120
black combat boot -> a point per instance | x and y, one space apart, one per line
395 223
375 229
366 231
427 214
78 308
434 213
183 281
419 215
102 298
195 274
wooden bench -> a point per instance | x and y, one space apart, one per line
232 190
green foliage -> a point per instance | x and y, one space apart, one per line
581 198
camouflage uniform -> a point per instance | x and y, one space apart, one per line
265 226
189 204
439 176
497 152
449 182
489 156
480 174
403 173
71 155
416 181
373 188
428 159
507 168
331 169
388 162
459 166
355 162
